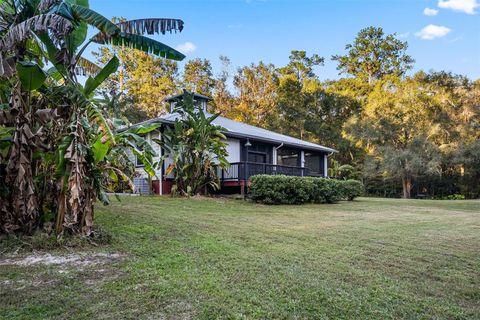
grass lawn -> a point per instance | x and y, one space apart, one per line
219 258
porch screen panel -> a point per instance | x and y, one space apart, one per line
288 157
314 162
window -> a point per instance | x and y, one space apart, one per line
138 163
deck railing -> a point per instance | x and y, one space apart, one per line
244 170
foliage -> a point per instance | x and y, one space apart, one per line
397 128
223 100
198 76
142 81
282 189
454 197
58 151
351 189
344 171
196 147
374 55
256 85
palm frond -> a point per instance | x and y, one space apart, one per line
151 26
44 5
95 114
6 117
140 43
40 23
95 19
6 18
86 67
7 66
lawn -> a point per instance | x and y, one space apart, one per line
220 258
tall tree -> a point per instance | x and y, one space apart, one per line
256 86
198 76
398 127
144 79
298 85
374 55
223 99
302 66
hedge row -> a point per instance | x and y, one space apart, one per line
297 190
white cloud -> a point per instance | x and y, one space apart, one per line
467 6
186 47
404 35
432 31
430 12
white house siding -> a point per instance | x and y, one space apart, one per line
140 171
233 149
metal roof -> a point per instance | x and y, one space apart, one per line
180 96
237 129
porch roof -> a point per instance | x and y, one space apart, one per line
241 130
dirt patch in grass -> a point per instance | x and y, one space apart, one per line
43 270
70 260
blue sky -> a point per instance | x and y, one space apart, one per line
252 30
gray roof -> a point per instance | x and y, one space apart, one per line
180 96
237 129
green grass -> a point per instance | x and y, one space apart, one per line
219 258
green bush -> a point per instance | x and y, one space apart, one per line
351 189
454 197
297 190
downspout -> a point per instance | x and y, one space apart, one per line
274 160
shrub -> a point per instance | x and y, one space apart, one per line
280 189
350 189
297 190
454 197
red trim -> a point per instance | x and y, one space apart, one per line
235 183
156 186
167 186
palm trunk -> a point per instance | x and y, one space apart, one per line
75 209
407 187
24 212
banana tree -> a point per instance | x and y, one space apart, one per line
20 64
196 147
56 31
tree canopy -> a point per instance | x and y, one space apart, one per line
374 55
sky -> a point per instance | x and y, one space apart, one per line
442 34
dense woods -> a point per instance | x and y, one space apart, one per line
404 134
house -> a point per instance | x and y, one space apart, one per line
251 150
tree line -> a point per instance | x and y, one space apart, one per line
403 134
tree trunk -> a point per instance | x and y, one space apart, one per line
407 187
24 213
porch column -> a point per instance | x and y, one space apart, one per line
302 161
325 166
160 181
274 156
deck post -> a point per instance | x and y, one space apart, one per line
223 177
